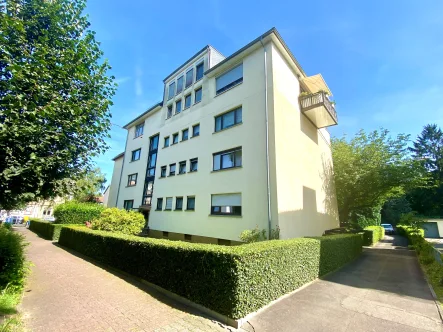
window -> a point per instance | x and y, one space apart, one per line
163 172
226 204
128 204
190 203
159 203
188 237
188 101
166 142
180 84
165 234
199 71
185 134
227 159
178 106
169 111
182 167
136 154
147 193
193 165
198 96
228 119
229 79
179 203
171 91
132 180
168 203
172 169
175 138
196 130
189 77
139 129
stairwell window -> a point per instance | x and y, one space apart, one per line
139 130
226 204
227 159
228 119
171 91
229 79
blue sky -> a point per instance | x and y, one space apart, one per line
383 60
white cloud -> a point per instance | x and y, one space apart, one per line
122 80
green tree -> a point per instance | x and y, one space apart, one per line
55 96
368 170
89 186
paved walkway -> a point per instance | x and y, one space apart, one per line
67 293
384 290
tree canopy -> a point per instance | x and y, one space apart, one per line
89 186
369 169
55 95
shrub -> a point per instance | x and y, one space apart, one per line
45 229
373 234
76 212
12 259
118 220
256 235
231 280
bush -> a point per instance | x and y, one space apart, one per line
231 280
45 229
12 259
373 234
76 212
120 221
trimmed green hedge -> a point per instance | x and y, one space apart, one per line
12 259
372 234
45 229
233 281
76 212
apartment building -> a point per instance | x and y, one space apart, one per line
237 142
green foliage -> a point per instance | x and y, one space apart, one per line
427 255
231 280
76 212
7 225
373 234
119 220
257 235
365 217
55 98
12 259
46 230
9 298
393 209
89 186
411 219
370 169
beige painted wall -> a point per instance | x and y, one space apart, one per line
302 179
113 189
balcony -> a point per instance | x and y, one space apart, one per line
319 109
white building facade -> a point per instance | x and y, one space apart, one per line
236 143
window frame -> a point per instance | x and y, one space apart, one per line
170 107
125 203
176 201
175 135
180 164
166 204
177 102
165 169
193 130
187 134
139 154
166 140
177 92
129 180
226 152
191 70
190 98
195 95
222 115
169 89
230 85
187 203
201 63
236 209
191 161
159 200
137 127
175 169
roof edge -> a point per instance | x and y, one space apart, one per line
118 156
160 104
185 63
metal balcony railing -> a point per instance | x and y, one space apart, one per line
318 99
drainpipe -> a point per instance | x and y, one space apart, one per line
121 172
268 181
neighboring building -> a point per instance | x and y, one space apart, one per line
236 143
105 196
433 228
42 209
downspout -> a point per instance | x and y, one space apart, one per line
268 177
121 172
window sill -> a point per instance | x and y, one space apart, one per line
171 175
133 161
193 171
236 125
158 210
178 210
162 177
190 210
226 169
166 147
141 136
197 102
232 87
186 108
225 215
131 186
167 210
181 173
184 140
194 136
